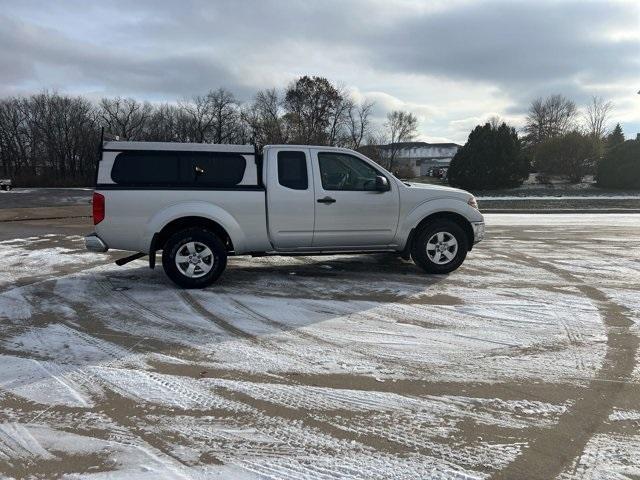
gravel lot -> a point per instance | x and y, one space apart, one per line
522 364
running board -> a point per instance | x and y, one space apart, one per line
130 258
317 253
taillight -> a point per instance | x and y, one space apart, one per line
98 208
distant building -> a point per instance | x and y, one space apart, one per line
420 157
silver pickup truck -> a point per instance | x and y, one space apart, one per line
200 203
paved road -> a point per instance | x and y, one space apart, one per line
522 364
44 197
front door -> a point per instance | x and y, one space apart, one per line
350 213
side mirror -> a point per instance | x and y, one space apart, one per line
382 184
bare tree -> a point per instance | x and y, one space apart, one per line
373 146
48 138
125 117
358 123
199 116
264 119
339 118
15 136
64 129
495 121
400 127
597 117
313 106
162 125
550 117
226 115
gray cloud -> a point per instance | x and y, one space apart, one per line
422 55
515 45
35 54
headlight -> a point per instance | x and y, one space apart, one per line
472 202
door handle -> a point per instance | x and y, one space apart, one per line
327 200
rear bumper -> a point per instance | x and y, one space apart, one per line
478 231
95 244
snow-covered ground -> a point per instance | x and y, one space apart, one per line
559 197
328 367
599 222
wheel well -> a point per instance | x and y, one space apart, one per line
455 217
190 222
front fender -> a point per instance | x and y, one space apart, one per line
429 207
196 209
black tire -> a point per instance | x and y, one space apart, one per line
178 242
419 247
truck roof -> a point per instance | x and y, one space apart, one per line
201 147
323 147
188 147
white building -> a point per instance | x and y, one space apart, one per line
420 156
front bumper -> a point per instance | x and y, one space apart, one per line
478 231
95 244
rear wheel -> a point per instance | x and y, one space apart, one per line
194 258
440 247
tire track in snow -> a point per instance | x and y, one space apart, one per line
227 326
57 373
550 452
17 443
370 440
108 287
159 389
223 324
306 336
356 350
125 413
511 390
170 335
282 327
109 349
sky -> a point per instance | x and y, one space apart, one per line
453 63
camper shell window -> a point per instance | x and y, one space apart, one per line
175 169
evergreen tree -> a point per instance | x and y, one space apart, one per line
616 137
491 158
620 167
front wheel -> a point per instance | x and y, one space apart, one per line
440 247
194 258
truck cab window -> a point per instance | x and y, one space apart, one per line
292 170
340 171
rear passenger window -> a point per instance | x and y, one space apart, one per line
292 170
176 169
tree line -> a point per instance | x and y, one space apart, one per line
557 141
52 139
